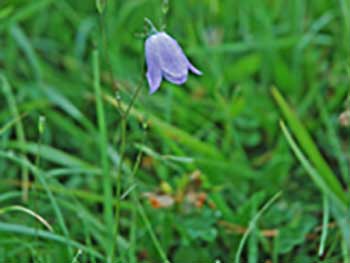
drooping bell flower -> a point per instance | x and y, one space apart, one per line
165 58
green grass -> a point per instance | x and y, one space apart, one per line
87 155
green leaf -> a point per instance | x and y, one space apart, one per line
295 234
198 226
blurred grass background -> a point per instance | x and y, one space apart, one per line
203 172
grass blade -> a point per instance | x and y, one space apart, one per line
309 147
27 211
325 222
40 176
252 225
28 231
103 144
314 174
11 101
151 232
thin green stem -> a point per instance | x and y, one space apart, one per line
123 139
134 194
119 175
153 29
123 126
133 99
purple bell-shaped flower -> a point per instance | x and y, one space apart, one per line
165 58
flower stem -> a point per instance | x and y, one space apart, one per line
151 25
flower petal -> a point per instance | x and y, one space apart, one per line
154 73
193 69
171 57
176 80
154 78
